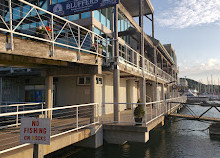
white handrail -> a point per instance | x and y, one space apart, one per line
44 110
13 105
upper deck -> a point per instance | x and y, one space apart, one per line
132 8
35 35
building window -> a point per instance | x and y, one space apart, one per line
96 15
98 80
84 80
85 15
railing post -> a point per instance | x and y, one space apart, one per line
97 49
42 107
11 25
52 51
17 117
77 117
166 105
102 111
145 111
79 45
98 111
151 106
132 108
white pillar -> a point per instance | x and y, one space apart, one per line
129 91
92 97
116 72
49 94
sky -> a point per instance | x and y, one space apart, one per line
193 28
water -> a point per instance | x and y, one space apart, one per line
177 139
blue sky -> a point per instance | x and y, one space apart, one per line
193 28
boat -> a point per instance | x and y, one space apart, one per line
214 129
205 103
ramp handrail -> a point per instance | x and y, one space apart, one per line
63 120
153 110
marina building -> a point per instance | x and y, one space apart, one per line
101 57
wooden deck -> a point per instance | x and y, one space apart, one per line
10 137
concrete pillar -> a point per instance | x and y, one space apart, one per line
162 91
116 72
168 92
103 94
0 91
143 90
155 84
92 96
153 25
95 141
92 88
49 94
141 46
130 94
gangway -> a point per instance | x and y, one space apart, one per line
194 116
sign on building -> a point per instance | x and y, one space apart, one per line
79 6
35 130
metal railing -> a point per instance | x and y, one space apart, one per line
131 58
64 120
26 20
29 21
152 111
9 107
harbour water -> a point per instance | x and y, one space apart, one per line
179 138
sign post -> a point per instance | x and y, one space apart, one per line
35 131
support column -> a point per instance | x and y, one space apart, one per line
49 95
143 90
162 91
153 25
141 48
168 92
92 88
116 72
130 94
155 71
92 97
11 25
155 90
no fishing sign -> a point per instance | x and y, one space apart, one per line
35 130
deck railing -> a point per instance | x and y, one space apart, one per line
29 21
64 120
9 107
152 111
131 58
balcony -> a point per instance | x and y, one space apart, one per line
130 58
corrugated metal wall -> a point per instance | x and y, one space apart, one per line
12 89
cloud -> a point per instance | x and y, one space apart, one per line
201 69
186 13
